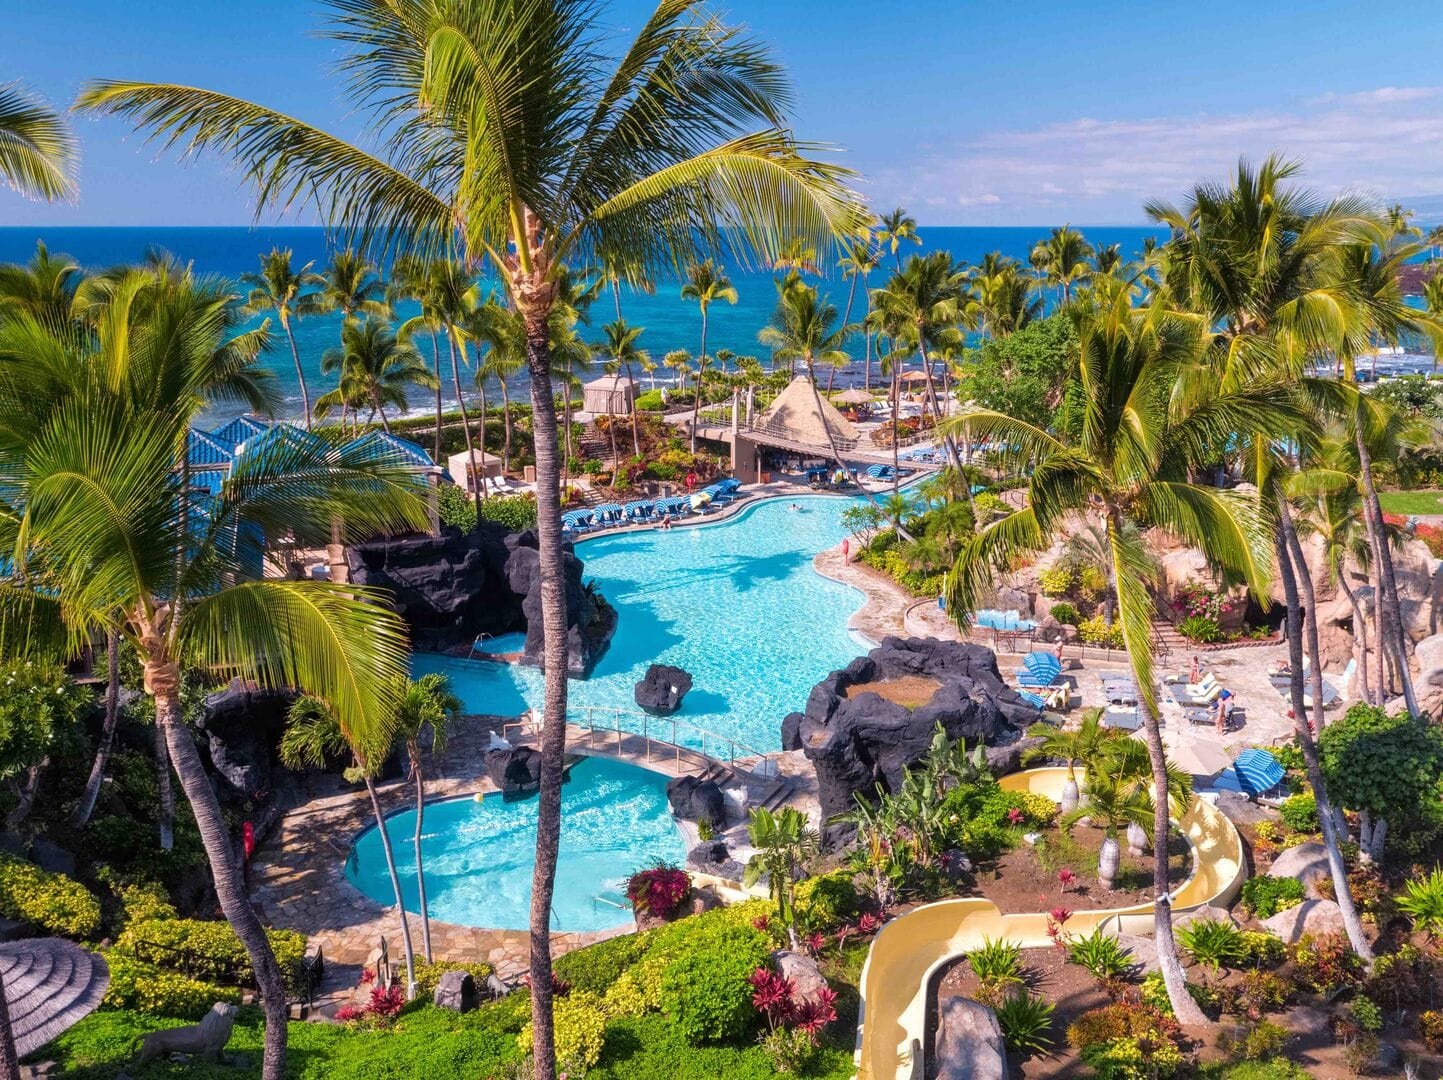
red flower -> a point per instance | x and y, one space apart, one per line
1059 915
1065 878
347 1013
368 976
1014 816
868 923
762 923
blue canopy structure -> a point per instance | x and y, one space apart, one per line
1039 669
879 472
639 509
609 511
730 484
1031 698
573 518
1257 770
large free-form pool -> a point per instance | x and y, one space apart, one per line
479 856
737 604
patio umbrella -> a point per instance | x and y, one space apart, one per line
1258 770
1199 757
913 377
50 984
854 396
700 499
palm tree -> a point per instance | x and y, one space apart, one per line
860 258
282 289
1114 805
44 287
1131 466
705 283
1003 306
804 327
1064 262
422 705
679 360
313 735
1433 300
452 296
375 367
785 845
37 148
501 330
621 347
895 229
569 161
97 544
1080 746
411 280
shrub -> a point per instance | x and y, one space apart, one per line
1266 896
996 961
1154 993
595 967
1430 1026
1095 631
1055 581
207 949
1091 580
1300 813
1324 963
825 900
580 1031
989 505
429 974
1422 901
1100 954
1261 949
145 988
516 512
1262 991
455 508
1366 1014
1260 1042
1201 629
1212 942
704 988
659 890
52 902
1129 1042
1026 1023
649 401
1065 613
1403 978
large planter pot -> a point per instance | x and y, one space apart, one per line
1136 839
1107 860
1070 796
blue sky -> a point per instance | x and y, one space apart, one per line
987 113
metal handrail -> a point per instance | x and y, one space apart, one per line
737 753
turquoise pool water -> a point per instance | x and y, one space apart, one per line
479 856
737 604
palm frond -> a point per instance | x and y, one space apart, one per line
38 151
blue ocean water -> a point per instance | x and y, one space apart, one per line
479 856
670 322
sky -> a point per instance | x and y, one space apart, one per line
996 112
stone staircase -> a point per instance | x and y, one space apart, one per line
772 796
1167 641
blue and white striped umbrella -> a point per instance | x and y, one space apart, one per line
1258 770
576 517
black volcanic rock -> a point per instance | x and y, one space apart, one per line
455 586
694 799
515 771
859 742
661 689
243 726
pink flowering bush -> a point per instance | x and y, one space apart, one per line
794 1027
659 890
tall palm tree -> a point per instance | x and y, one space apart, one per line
858 260
411 280
895 229
501 330
1130 466
620 345
281 288
453 296
1003 305
95 450
424 705
1065 260
503 132
376 367
679 360
44 287
706 283
38 151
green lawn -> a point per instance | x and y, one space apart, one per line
1411 502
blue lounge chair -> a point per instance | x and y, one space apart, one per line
577 519
1039 669
1032 699
609 513
638 511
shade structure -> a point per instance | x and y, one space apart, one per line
574 518
50 984
639 509
700 499
854 396
913 377
731 483
1199 757
1258 770
794 415
879 472
676 504
609 511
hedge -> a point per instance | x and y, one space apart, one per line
54 903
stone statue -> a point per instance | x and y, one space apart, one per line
205 1040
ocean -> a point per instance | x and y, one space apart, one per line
670 322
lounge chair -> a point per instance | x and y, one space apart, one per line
1198 694
1039 669
1121 717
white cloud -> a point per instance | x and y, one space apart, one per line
1388 141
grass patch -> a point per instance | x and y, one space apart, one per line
1411 502
908 691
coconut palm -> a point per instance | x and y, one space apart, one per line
502 332
1080 746
281 288
1131 462
620 345
706 283
37 148
858 261
1003 304
895 229
1114 805
1065 255
411 280
501 131
785 845
44 287
376 367
679 360
97 544
424 705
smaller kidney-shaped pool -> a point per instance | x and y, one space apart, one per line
479 856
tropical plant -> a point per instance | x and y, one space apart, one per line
1214 942
424 706
1422 901
620 345
895 229
37 148
1026 1023
1101 954
569 161
706 283
858 261
289 292
503 333
1266 896
785 844
1078 746
1113 805
996 962
376 367
1064 261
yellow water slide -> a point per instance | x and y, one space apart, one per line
909 949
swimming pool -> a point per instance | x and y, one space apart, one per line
737 604
479 856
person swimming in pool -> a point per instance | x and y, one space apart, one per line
795 508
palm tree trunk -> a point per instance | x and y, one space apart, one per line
86 806
506 426
451 343
635 434
166 825
1336 867
832 443
554 655
948 443
896 437
420 872
1375 582
1390 603
436 362
700 367
1359 631
163 682
300 374
380 410
1309 600
406 945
